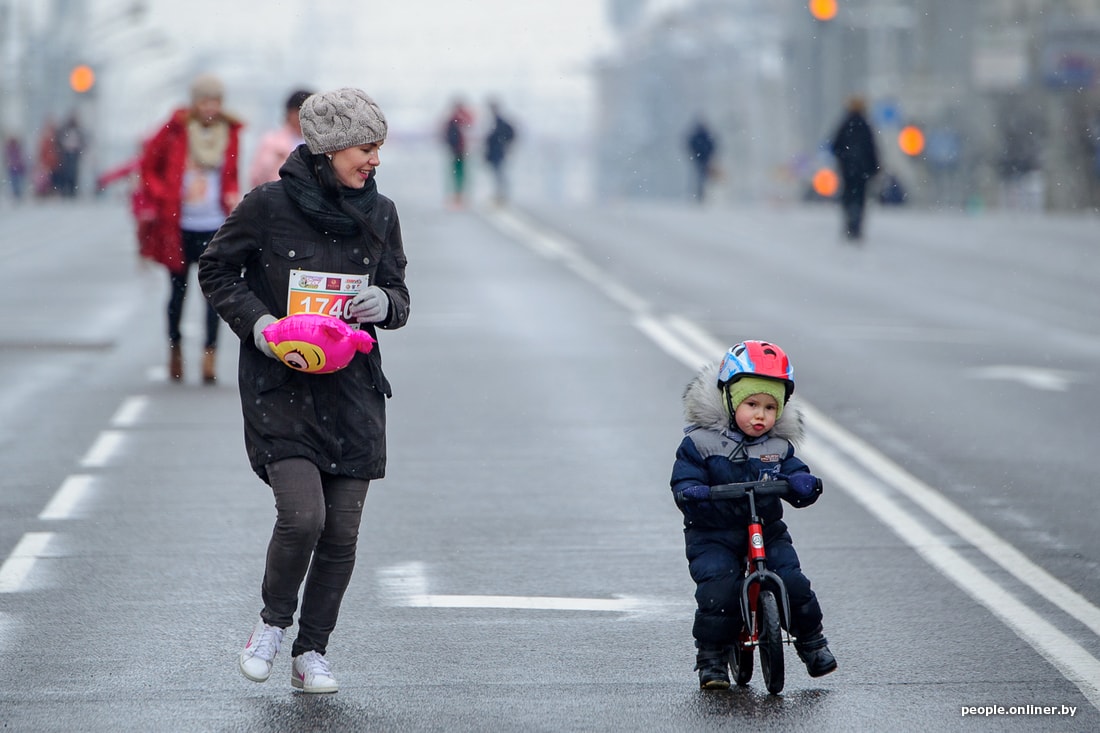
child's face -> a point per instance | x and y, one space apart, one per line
756 414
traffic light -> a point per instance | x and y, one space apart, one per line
911 140
82 78
823 9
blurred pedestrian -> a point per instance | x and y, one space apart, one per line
497 144
15 161
277 145
70 147
853 145
189 177
701 147
47 160
454 137
316 439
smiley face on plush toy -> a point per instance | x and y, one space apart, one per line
300 355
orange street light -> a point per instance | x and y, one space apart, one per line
911 140
82 78
825 182
823 9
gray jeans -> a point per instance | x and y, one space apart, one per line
316 529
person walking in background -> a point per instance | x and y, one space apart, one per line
276 145
15 162
853 145
497 144
70 147
189 178
701 147
47 160
454 137
317 440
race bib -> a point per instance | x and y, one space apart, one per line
326 293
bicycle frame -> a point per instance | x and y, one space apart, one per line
757 575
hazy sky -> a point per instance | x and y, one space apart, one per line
412 54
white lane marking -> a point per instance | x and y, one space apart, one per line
555 248
130 411
693 333
955 518
1050 380
406 579
1069 657
105 447
14 571
539 603
407 585
671 336
68 497
669 342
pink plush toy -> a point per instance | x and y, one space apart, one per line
310 342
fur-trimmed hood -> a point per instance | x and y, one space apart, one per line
703 407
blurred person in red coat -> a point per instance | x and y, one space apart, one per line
189 179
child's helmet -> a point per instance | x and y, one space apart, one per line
756 359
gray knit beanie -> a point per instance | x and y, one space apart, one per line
341 119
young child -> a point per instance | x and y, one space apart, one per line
741 427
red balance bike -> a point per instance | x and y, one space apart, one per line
765 609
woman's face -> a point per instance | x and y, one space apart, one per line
353 166
206 110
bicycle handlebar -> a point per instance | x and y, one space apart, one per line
771 487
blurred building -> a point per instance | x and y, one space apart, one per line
1005 92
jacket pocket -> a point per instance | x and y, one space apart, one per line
264 373
362 259
293 250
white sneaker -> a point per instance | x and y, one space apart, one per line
311 673
259 653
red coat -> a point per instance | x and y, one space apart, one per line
163 162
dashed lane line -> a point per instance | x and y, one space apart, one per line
106 445
18 566
68 498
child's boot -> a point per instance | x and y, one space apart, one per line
713 667
814 652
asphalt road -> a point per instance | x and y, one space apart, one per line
521 565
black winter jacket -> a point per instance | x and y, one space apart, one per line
336 420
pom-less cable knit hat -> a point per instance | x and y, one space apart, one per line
341 119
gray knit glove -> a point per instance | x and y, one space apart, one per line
371 305
258 335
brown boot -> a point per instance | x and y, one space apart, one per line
175 362
209 372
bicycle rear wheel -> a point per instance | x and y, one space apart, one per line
771 642
741 663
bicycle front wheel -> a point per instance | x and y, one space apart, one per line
771 642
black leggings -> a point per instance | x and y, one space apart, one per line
193 245
318 517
